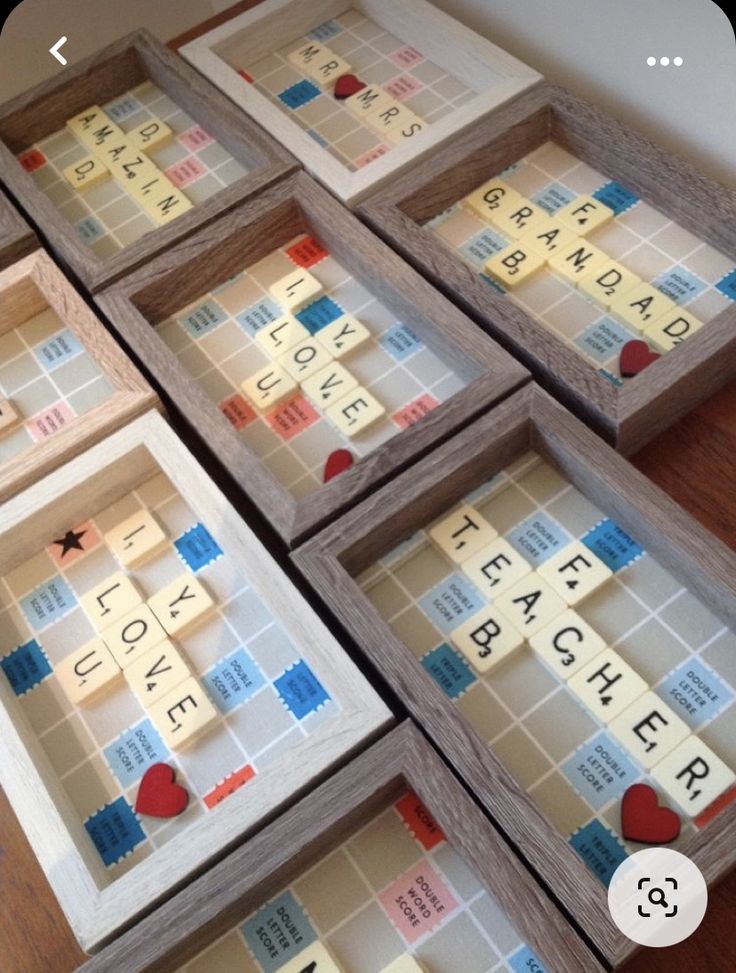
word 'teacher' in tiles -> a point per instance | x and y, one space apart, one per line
496 567
693 776
530 604
567 644
649 729
462 534
607 685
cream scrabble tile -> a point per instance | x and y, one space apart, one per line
578 259
110 600
313 959
345 335
87 672
182 714
306 53
88 172
296 290
462 534
672 328
392 119
517 217
10 418
574 572
649 730
486 639
269 386
156 672
329 384
166 206
408 126
584 214
693 776
153 134
608 283
547 238
490 197
326 67
496 567
132 635
280 335
513 265
369 99
641 307
181 605
607 685
355 411
530 604
305 359
137 539
94 128
404 964
567 644
131 168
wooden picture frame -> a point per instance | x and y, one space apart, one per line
17 239
332 559
112 71
248 234
98 911
402 760
28 287
627 416
462 52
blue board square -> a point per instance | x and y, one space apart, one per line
25 667
553 197
680 285
483 245
695 692
258 316
57 350
400 342
616 197
300 690
319 314
612 545
197 548
233 680
603 339
600 849
449 670
134 751
48 603
317 137
613 379
451 602
115 831
278 932
299 94
600 770
203 319
89 229
526 961
538 537
330 28
727 285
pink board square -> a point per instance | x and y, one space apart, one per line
289 420
406 57
417 902
185 172
195 138
32 159
238 411
414 411
403 86
371 155
73 545
50 421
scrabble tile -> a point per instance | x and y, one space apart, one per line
530 604
641 307
305 359
355 411
577 259
496 567
547 238
574 572
313 959
181 605
369 99
490 197
584 214
132 635
671 329
153 134
404 964
10 418
329 384
137 539
693 776
608 283
166 205
513 265
280 335
326 67
649 729
94 128
182 713
306 53
486 639
87 672
607 685
389 118
156 672
343 336
462 534
517 217
110 600
408 125
296 289
269 386
567 644
86 173
131 168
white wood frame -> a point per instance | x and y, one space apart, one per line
444 40
95 479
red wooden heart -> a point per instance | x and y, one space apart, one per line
348 84
158 795
643 820
634 358
337 462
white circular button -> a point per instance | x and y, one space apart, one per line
657 897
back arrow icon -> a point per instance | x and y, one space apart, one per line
54 51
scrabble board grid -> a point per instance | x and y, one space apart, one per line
693 274
214 338
528 716
101 750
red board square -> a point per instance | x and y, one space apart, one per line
307 252
238 411
420 822
289 420
414 411
32 159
